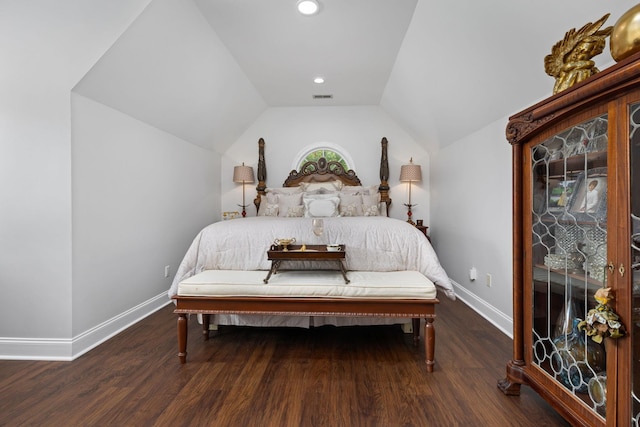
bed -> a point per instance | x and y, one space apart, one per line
394 273
375 242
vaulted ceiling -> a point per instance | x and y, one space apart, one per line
205 69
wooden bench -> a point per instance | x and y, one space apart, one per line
309 293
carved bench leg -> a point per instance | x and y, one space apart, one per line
416 331
429 342
182 337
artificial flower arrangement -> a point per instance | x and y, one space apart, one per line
602 321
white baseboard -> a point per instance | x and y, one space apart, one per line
497 318
67 349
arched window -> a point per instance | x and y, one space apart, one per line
331 152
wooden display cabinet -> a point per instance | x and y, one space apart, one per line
576 228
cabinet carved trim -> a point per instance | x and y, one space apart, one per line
610 82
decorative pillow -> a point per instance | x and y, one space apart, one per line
349 210
352 189
295 211
371 210
286 201
321 207
283 190
372 189
371 204
358 189
265 199
350 205
269 210
370 199
329 185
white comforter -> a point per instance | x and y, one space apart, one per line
372 244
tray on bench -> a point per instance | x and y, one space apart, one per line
277 254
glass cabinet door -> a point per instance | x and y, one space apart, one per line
568 258
634 139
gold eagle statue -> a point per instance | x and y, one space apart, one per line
570 58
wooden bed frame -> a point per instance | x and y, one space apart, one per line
320 171
323 171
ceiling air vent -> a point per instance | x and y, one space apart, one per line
322 96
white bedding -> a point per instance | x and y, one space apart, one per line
372 244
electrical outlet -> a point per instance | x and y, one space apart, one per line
473 274
488 280
167 269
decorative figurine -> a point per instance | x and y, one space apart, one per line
602 321
625 37
570 59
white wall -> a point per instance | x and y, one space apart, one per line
358 130
140 195
47 48
72 269
471 214
171 70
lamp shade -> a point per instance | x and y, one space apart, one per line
243 174
410 172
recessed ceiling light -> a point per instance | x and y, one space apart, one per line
318 80
308 7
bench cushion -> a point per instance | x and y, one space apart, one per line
309 283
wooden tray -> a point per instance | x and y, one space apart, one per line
312 252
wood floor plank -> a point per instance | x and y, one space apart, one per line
326 376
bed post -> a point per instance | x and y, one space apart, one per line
384 176
262 175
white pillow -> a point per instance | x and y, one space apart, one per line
321 207
321 191
329 185
318 196
286 201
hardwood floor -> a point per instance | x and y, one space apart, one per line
360 376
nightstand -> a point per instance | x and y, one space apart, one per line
424 230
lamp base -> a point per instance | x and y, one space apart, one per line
244 212
409 220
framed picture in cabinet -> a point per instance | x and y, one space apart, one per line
560 192
589 199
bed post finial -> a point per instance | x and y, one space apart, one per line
262 175
384 175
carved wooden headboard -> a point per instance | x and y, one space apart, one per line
322 171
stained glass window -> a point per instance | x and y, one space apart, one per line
330 154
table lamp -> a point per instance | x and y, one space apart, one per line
243 174
410 173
